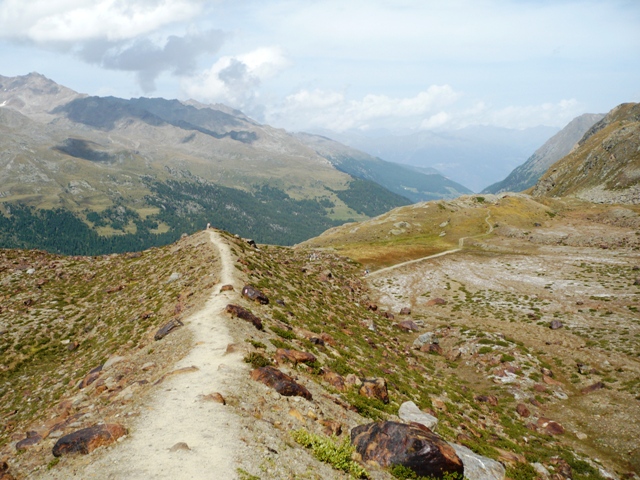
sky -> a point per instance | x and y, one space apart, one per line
399 65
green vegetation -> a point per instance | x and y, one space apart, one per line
327 450
405 473
257 360
369 198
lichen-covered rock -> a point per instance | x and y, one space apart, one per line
86 440
167 328
252 293
375 388
413 446
280 382
244 314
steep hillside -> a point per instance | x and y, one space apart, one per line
401 179
130 174
605 165
527 174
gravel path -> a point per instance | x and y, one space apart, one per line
176 412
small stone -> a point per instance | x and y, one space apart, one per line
148 366
592 388
226 288
409 412
555 324
297 415
179 446
581 436
214 397
522 410
86 440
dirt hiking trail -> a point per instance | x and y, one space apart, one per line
175 412
441 254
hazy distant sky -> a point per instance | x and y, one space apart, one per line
340 64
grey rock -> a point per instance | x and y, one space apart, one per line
424 339
477 467
409 412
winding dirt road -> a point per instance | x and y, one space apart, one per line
176 413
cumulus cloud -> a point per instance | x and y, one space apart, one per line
332 110
235 80
148 59
44 21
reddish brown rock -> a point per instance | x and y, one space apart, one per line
522 410
490 399
405 311
226 288
562 469
549 426
375 388
413 446
244 314
252 293
510 458
280 382
327 338
4 471
214 397
331 427
436 301
335 380
592 388
91 377
550 381
86 440
408 326
388 315
293 356
433 348
372 306
167 328
538 387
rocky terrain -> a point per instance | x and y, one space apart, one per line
520 350
526 175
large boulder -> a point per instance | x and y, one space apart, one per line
244 314
252 293
280 382
413 446
409 412
477 467
86 440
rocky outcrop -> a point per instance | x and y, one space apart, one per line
280 382
244 314
254 294
410 413
413 446
86 440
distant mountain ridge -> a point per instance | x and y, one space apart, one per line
412 182
474 156
604 167
130 174
527 174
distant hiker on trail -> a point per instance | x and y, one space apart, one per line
208 226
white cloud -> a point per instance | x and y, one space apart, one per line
523 116
235 80
330 109
44 21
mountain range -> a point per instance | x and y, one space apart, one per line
527 174
134 173
474 156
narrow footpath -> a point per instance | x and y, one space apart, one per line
175 413
441 254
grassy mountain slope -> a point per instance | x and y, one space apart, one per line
166 166
605 166
527 174
401 179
